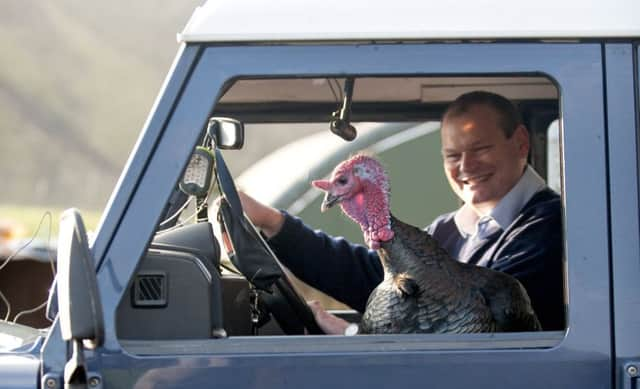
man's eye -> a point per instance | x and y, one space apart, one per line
484 149
452 157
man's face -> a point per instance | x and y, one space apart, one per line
481 164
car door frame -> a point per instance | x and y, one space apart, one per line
622 90
201 74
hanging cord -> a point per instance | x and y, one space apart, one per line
333 91
29 311
200 205
48 215
177 213
6 301
184 221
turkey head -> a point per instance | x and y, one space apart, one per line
361 186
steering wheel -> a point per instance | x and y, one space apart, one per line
287 306
258 264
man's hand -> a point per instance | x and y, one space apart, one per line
330 324
270 221
266 218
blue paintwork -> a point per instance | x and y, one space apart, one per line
376 370
622 128
144 146
19 371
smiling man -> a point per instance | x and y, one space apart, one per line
510 220
484 148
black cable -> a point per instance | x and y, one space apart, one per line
333 91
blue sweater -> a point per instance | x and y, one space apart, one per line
530 249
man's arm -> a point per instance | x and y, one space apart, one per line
532 252
343 270
268 219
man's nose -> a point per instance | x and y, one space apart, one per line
467 162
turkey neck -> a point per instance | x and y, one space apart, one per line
370 209
411 250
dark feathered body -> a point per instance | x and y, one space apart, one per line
425 290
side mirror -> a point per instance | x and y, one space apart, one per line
227 133
79 307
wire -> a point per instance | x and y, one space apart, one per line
333 91
176 213
28 311
339 88
47 213
183 222
8 305
208 140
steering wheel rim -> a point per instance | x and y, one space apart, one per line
288 293
280 279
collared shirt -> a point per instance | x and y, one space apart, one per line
471 225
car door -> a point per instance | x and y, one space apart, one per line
580 356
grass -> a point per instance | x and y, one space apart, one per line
24 220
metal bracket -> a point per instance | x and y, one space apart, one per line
630 373
51 381
54 381
94 380
75 374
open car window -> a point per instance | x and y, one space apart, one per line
186 292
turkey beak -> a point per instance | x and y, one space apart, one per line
329 201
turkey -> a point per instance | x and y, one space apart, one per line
424 290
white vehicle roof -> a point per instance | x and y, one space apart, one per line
331 20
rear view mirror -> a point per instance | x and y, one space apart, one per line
227 133
79 306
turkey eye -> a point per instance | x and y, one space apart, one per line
341 181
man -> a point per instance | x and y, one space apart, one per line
510 220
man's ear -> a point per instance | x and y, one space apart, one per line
521 135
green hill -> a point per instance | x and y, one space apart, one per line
77 80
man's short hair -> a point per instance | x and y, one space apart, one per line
510 117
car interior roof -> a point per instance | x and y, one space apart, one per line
374 98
